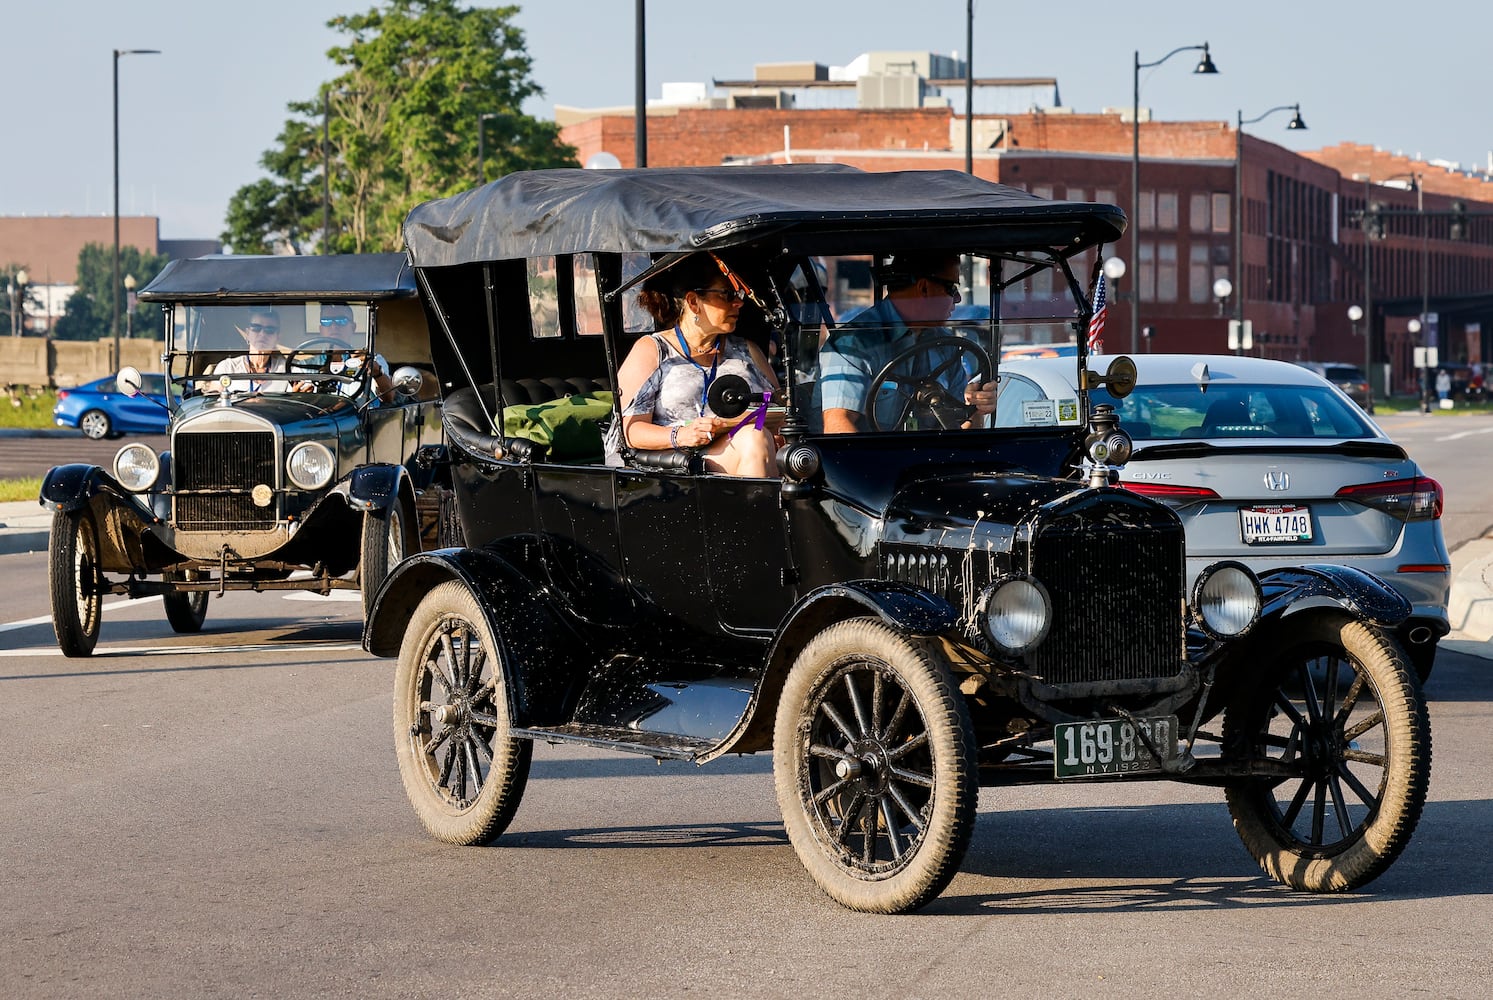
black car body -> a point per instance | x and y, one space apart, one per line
901 617
261 488
1347 377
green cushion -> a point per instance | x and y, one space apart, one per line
568 427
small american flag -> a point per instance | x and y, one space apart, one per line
1096 323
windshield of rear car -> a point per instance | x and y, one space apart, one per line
1237 411
303 332
895 344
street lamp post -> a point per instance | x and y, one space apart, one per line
1355 313
1222 289
17 290
1415 326
129 307
114 288
1239 270
482 120
1205 65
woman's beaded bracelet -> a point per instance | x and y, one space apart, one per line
674 438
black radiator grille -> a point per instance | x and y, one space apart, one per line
1117 600
226 466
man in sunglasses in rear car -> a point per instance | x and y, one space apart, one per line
921 292
339 323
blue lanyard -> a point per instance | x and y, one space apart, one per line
709 376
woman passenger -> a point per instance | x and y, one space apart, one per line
665 379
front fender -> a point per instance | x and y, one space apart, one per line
377 487
70 487
900 605
543 659
1361 594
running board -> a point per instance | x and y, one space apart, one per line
669 745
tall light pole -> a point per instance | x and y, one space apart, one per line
1240 275
114 288
640 91
129 307
482 121
969 87
326 169
1205 65
1368 271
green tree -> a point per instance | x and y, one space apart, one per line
89 314
402 121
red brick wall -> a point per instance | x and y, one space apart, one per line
48 246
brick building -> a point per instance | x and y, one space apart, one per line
1302 234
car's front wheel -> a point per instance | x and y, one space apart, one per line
185 610
95 424
383 547
1340 721
464 774
74 581
874 761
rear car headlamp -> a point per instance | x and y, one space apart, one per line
1226 600
1014 612
310 465
136 466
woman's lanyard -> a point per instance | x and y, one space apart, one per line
709 376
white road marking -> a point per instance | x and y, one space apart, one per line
47 619
1462 434
105 652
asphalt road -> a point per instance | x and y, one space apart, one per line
23 455
221 815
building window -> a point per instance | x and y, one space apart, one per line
1147 212
1221 216
1043 191
1199 274
1166 272
1104 196
1145 282
1166 210
1199 219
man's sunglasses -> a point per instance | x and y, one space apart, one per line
729 294
261 328
336 320
950 288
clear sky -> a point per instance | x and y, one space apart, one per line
194 120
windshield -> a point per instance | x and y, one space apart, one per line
1238 412
289 339
892 343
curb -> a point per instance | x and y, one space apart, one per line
14 541
1470 608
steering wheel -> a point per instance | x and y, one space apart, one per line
309 366
925 394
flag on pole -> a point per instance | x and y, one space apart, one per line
1096 322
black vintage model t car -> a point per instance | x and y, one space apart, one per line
936 602
301 476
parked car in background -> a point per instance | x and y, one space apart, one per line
1349 378
299 477
1267 464
100 410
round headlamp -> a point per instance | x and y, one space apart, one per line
310 465
1226 600
136 466
1014 613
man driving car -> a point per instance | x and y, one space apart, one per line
905 327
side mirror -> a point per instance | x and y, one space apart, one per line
730 396
129 381
1120 376
407 381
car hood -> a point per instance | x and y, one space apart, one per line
279 408
957 512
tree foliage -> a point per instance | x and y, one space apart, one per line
90 310
401 122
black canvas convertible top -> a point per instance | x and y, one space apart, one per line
661 209
228 279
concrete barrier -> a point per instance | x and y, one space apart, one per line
40 363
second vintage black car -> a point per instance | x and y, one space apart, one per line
306 392
901 612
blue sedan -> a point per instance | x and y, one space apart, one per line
100 410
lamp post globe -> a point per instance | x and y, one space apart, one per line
1114 268
1355 313
1222 288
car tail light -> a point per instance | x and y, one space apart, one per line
62 394
1170 494
1416 499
